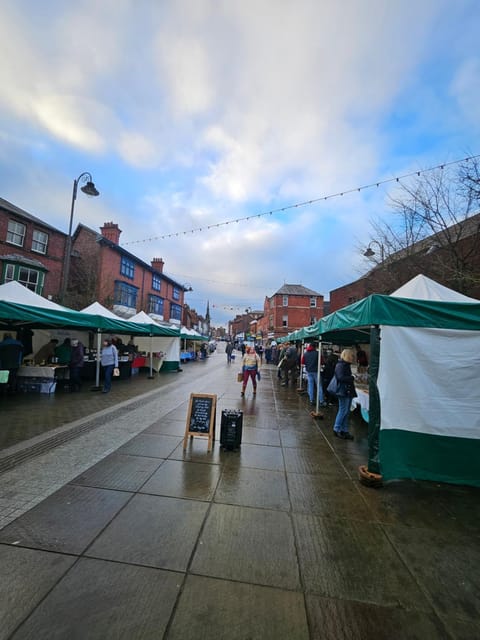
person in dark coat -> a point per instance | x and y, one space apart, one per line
64 352
345 393
76 364
290 365
11 353
46 352
229 351
328 371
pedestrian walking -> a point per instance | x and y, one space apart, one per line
250 368
109 360
229 351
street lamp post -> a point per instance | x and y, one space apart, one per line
90 190
370 252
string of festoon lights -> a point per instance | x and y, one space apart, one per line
297 205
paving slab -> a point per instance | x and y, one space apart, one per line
256 456
253 488
248 545
232 544
450 568
415 504
102 600
333 619
312 461
252 435
307 438
167 428
327 495
27 575
196 451
352 560
66 521
150 445
463 505
210 608
184 480
153 531
264 420
118 471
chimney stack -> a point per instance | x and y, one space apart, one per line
157 264
111 232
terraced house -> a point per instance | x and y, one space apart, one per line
103 270
31 251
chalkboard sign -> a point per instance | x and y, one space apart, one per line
201 417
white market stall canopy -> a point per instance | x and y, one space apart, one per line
424 416
166 347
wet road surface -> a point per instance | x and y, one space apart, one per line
118 532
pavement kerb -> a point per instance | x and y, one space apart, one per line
37 445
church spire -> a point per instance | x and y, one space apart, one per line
207 315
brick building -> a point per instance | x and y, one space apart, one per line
102 270
31 251
292 307
450 257
240 327
193 320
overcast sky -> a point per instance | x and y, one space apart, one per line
191 113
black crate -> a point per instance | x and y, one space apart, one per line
29 387
231 426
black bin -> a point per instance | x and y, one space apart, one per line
231 429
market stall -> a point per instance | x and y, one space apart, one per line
21 308
162 345
424 374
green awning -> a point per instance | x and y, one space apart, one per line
13 316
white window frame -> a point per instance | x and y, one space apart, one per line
13 233
39 245
284 321
9 273
285 301
313 301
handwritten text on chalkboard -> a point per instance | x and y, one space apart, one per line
200 415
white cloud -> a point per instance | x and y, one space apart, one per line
137 150
198 111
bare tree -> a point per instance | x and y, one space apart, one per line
469 177
433 230
83 281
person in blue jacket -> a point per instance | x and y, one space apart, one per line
109 360
345 393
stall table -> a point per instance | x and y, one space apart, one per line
362 400
41 379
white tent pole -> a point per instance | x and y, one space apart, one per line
151 357
319 373
99 348
302 351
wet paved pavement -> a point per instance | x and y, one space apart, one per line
118 533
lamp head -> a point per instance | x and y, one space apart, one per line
89 189
369 252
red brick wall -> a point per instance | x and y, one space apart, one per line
108 271
348 294
52 260
298 311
